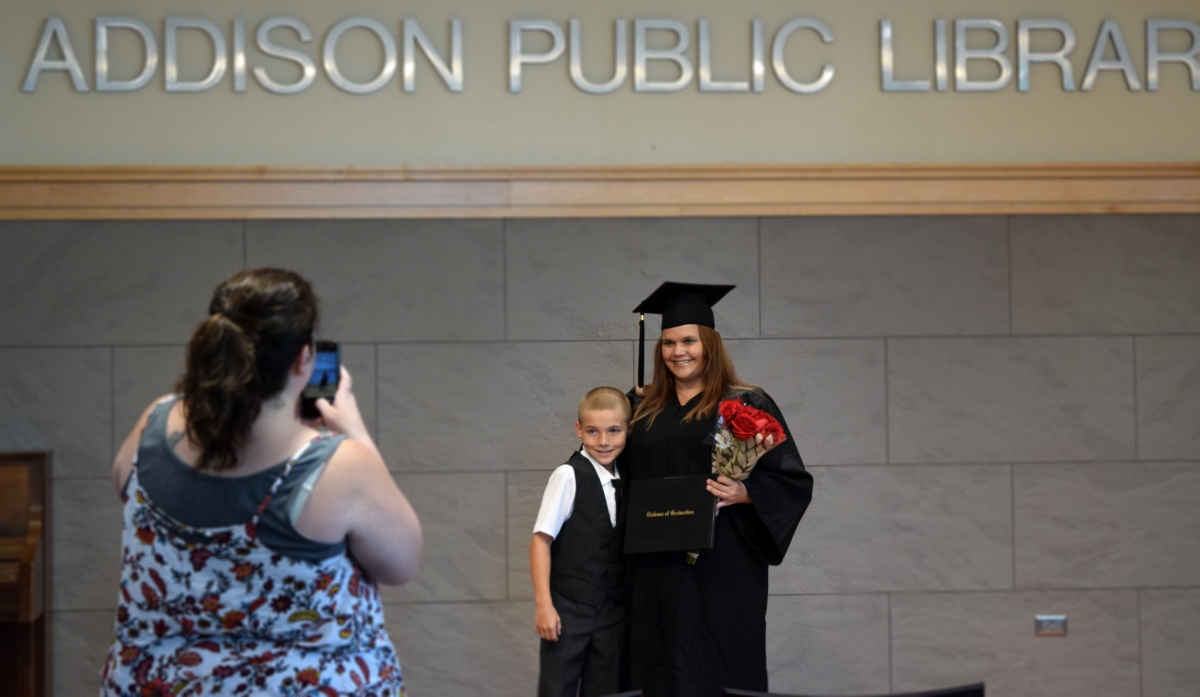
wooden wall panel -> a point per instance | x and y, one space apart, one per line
490 192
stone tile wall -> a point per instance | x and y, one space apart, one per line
1002 416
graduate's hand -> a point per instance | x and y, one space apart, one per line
729 491
549 626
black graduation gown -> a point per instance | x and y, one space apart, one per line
697 628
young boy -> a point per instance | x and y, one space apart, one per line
576 559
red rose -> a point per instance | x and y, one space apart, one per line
763 418
728 409
775 432
743 427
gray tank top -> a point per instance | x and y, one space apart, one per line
202 500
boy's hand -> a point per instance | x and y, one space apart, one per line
549 626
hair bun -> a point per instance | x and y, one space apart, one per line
225 315
258 322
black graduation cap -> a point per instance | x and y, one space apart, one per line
679 304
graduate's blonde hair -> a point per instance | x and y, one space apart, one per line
603 398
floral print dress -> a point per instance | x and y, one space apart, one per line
212 611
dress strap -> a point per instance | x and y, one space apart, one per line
169 400
287 469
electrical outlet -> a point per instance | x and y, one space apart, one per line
1050 625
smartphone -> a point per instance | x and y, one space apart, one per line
327 371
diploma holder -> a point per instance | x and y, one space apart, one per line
669 515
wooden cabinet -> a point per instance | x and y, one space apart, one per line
24 573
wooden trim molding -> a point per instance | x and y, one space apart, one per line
117 193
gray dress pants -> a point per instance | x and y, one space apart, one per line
589 656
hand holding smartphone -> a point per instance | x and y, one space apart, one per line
326 373
330 380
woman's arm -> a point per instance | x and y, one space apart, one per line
384 531
547 621
356 498
780 490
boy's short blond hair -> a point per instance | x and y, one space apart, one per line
603 398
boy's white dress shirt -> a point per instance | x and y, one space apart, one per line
559 499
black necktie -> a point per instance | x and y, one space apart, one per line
616 484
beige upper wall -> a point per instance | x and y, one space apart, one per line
552 122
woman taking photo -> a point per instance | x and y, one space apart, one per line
252 543
699 625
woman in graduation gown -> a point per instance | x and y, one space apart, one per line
696 628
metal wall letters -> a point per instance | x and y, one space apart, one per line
288 39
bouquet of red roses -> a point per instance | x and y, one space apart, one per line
742 435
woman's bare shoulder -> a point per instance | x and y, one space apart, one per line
351 453
352 466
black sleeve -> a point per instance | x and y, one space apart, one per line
781 490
